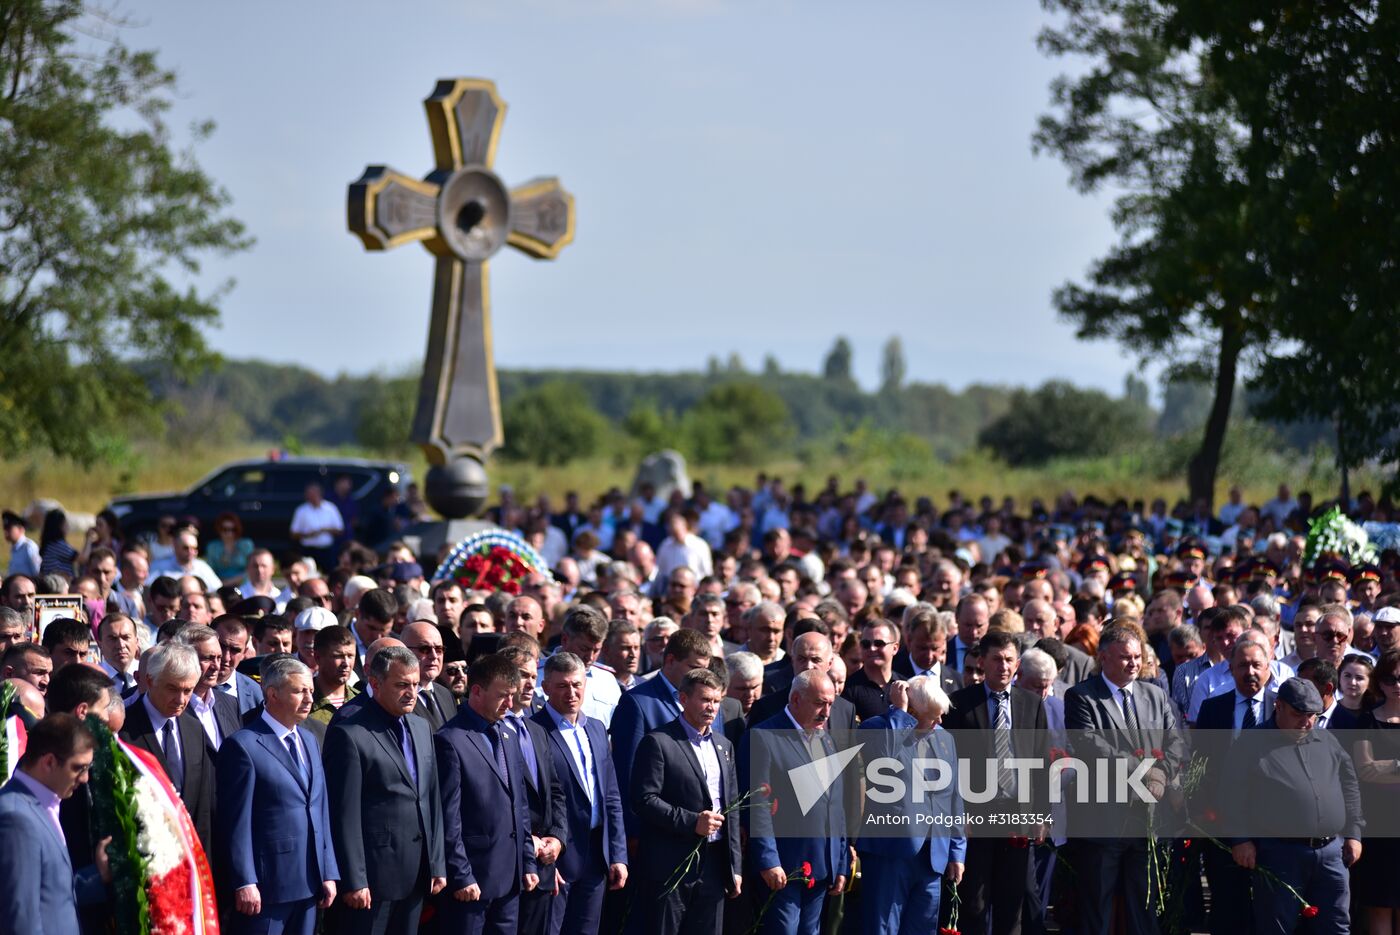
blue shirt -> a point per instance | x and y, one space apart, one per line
24 558
705 752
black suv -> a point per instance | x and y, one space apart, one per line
264 495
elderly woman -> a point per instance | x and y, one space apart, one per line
903 889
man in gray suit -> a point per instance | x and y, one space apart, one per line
1109 717
386 808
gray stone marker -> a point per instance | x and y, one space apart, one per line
462 213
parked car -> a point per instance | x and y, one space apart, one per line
264 494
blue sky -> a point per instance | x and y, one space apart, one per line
754 176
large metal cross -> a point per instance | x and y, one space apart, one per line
462 213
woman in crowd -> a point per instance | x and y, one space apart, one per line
1378 767
228 554
1356 678
106 533
55 554
161 544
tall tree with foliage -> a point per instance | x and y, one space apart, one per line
100 218
551 424
1059 420
1320 83
1188 284
892 366
837 365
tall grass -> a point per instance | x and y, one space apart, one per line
1156 470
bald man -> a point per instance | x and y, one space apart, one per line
435 702
810 652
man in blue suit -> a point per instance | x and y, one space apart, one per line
652 704
273 818
769 752
40 894
233 645
596 855
486 820
903 868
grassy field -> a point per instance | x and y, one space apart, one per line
1153 472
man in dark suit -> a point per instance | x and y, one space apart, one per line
274 815
386 807
1038 674
161 723
653 703
596 855
925 646
683 780
770 753
41 892
544 793
216 711
1116 716
233 644
435 702
996 720
119 646
486 821
1220 720
810 652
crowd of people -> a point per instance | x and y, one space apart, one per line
361 749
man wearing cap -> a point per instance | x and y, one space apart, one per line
1365 587
1386 632
1294 805
307 624
24 552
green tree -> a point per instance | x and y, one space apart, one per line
738 422
837 365
648 428
892 367
98 213
551 424
384 418
1059 420
1187 284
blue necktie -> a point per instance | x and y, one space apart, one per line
296 758
527 749
406 744
174 765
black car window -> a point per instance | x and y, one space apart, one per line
235 482
289 480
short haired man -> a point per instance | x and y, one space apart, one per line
185 560
524 613
18 592
24 551
385 804
665 787
622 653
162 603
1109 716
161 723
597 856
925 649
745 679
583 632
763 626
1218 679
316 525
257 578
27 662
653 703
119 645
41 892
654 637
13 628
233 645
486 819
866 688
544 790
68 641
769 753
216 712
374 616
273 812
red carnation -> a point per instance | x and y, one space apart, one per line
1158 754
806 868
765 789
511 587
1139 752
1057 753
773 807
811 884
948 931
1310 912
1186 844
1020 841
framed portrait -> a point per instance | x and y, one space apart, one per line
50 607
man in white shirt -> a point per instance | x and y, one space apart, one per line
683 548
257 579
186 561
316 525
1281 506
583 634
216 712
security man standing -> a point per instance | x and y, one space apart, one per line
1287 779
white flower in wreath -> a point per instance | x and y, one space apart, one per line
159 839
